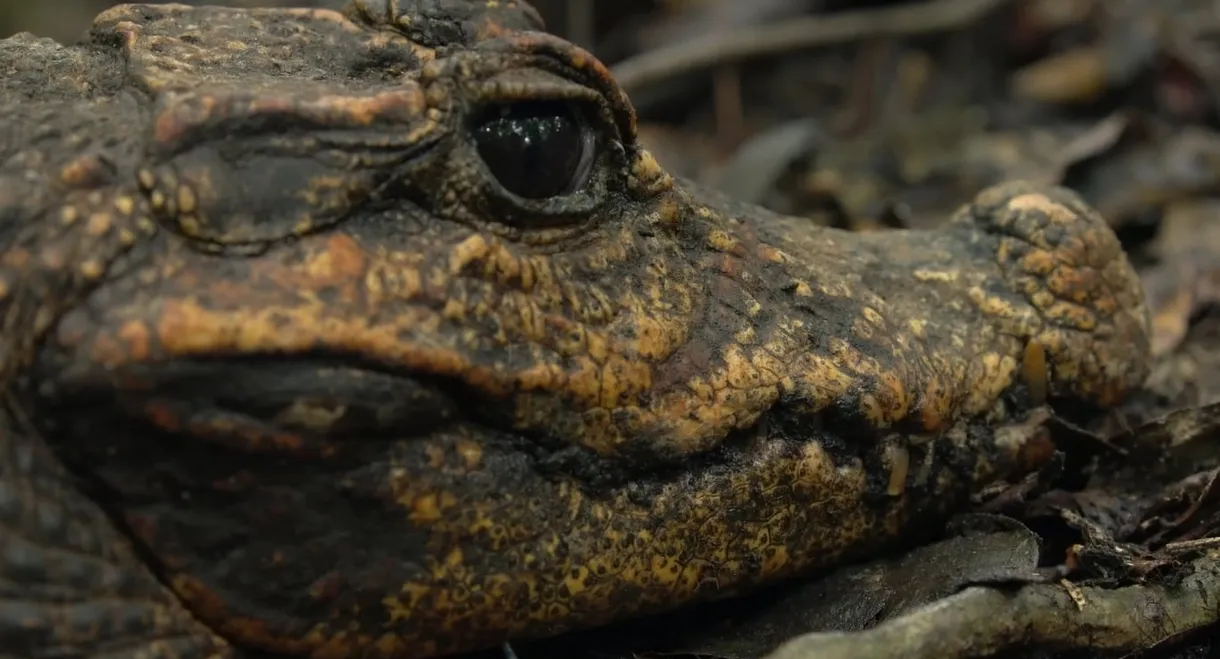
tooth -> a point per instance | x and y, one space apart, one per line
312 415
899 460
1034 372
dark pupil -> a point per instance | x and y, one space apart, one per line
535 150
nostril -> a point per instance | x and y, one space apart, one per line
1083 301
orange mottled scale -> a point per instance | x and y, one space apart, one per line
286 325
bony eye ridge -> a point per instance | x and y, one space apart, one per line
536 150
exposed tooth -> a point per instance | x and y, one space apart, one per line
311 415
899 460
1034 372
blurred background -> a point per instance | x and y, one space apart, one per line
67 20
611 27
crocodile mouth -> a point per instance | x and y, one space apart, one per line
279 405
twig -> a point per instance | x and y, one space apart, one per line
656 66
982 621
730 115
580 23
862 91
1183 546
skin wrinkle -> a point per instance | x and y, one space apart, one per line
381 408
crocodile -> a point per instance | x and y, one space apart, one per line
378 333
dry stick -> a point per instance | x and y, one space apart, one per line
659 65
980 621
727 106
580 23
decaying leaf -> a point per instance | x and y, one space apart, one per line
987 551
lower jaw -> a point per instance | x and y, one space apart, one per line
453 541
451 536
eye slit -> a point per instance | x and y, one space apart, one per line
537 149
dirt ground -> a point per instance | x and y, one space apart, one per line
881 115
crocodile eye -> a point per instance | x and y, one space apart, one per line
536 150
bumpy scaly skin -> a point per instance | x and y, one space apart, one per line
346 397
